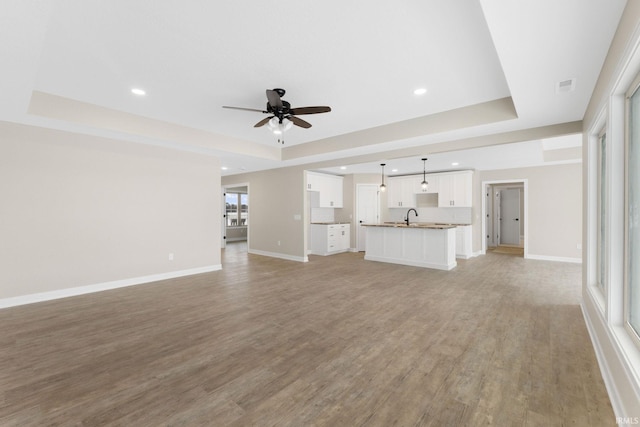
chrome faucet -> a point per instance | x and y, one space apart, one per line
409 211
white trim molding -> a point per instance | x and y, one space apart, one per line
554 258
617 356
279 255
99 287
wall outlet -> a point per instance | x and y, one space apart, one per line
297 217
579 246
278 242
171 256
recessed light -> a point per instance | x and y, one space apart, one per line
224 168
455 164
394 170
343 167
138 91
420 91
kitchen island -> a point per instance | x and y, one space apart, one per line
420 244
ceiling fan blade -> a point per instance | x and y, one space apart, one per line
245 109
309 110
299 122
274 99
263 122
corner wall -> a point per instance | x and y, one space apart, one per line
277 200
618 355
554 217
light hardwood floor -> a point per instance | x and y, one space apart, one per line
338 341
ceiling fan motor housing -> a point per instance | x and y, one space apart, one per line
284 110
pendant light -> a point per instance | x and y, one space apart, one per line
382 186
424 182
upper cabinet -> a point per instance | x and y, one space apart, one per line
313 181
329 187
454 189
402 192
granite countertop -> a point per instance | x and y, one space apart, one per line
431 225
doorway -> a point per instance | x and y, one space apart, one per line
504 209
235 215
367 211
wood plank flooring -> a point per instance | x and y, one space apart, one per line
338 341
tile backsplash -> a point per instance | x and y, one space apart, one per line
322 215
445 215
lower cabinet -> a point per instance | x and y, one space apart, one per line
463 242
328 239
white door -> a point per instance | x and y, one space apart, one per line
367 211
510 217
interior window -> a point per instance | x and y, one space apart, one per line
632 255
602 210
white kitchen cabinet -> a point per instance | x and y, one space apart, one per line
331 193
329 187
402 192
313 181
464 242
329 239
455 189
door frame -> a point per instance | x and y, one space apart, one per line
486 185
356 221
223 213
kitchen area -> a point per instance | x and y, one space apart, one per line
415 224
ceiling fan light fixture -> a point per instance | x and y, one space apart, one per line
279 128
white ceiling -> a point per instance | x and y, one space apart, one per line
489 66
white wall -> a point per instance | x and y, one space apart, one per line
81 211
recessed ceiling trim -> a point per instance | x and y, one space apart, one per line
61 108
461 144
473 115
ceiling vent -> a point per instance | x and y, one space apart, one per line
566 86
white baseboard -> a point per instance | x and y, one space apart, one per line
554 258
279 255
469 256
98 287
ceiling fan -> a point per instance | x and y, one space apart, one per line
280 110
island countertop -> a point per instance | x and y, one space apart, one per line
431 225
